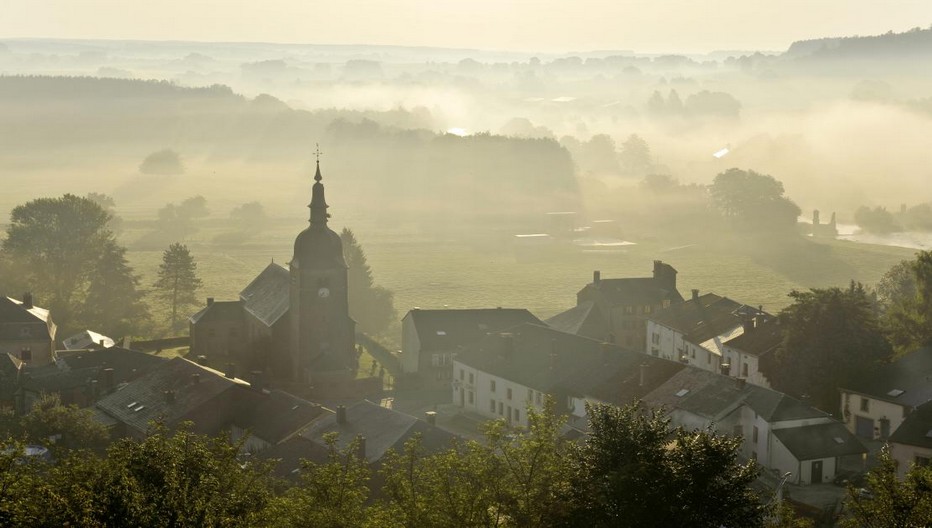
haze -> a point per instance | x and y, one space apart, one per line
554 26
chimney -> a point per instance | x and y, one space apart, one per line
431 417
748 323
642 381
695 294
596 277
341 414
195 378
725 368
255 380
362 447
27 300
109 384
210 301
231 371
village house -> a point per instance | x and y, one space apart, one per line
431 339
508 373
743 354
911 443
26 331
180 391
695 331
615 310
875 407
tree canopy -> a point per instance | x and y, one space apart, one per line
371 306
754 202
63 250
909 314
831 336
889 502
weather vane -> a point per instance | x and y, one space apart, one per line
318 153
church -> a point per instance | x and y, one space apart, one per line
293 323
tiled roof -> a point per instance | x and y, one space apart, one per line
267 297
226 311
916 429
910 374
145 399
451 329
826 440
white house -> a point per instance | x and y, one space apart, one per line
911 443
743 353
875 407
430 339
695 332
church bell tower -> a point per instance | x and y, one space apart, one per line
323 338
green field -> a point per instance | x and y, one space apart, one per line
479 268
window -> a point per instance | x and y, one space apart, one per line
517 415
754 434
693 352
470 378
492 385
865 405
508 393
629 310
492 406
462 374
655 338
501 409
647 309
470 397
744 370
708 358
435 360
25 354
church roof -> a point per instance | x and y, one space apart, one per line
268 296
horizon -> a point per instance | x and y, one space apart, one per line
637 26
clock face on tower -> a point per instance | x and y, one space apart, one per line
323 293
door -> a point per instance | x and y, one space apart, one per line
816 472
864 427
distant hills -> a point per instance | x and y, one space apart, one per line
914 43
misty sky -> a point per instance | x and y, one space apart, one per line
521 25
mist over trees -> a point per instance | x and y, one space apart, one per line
63 251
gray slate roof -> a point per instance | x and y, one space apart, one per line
267 297
144 400
14 317
451 329
572 320
704 318
277 415
910 374
916 429
827 440
762 340
382 428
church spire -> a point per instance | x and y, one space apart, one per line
318 204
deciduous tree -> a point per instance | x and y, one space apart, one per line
888 502
832 336
754 202
909 315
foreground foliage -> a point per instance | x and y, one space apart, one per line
633 469
889 502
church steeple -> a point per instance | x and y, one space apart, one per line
318 203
